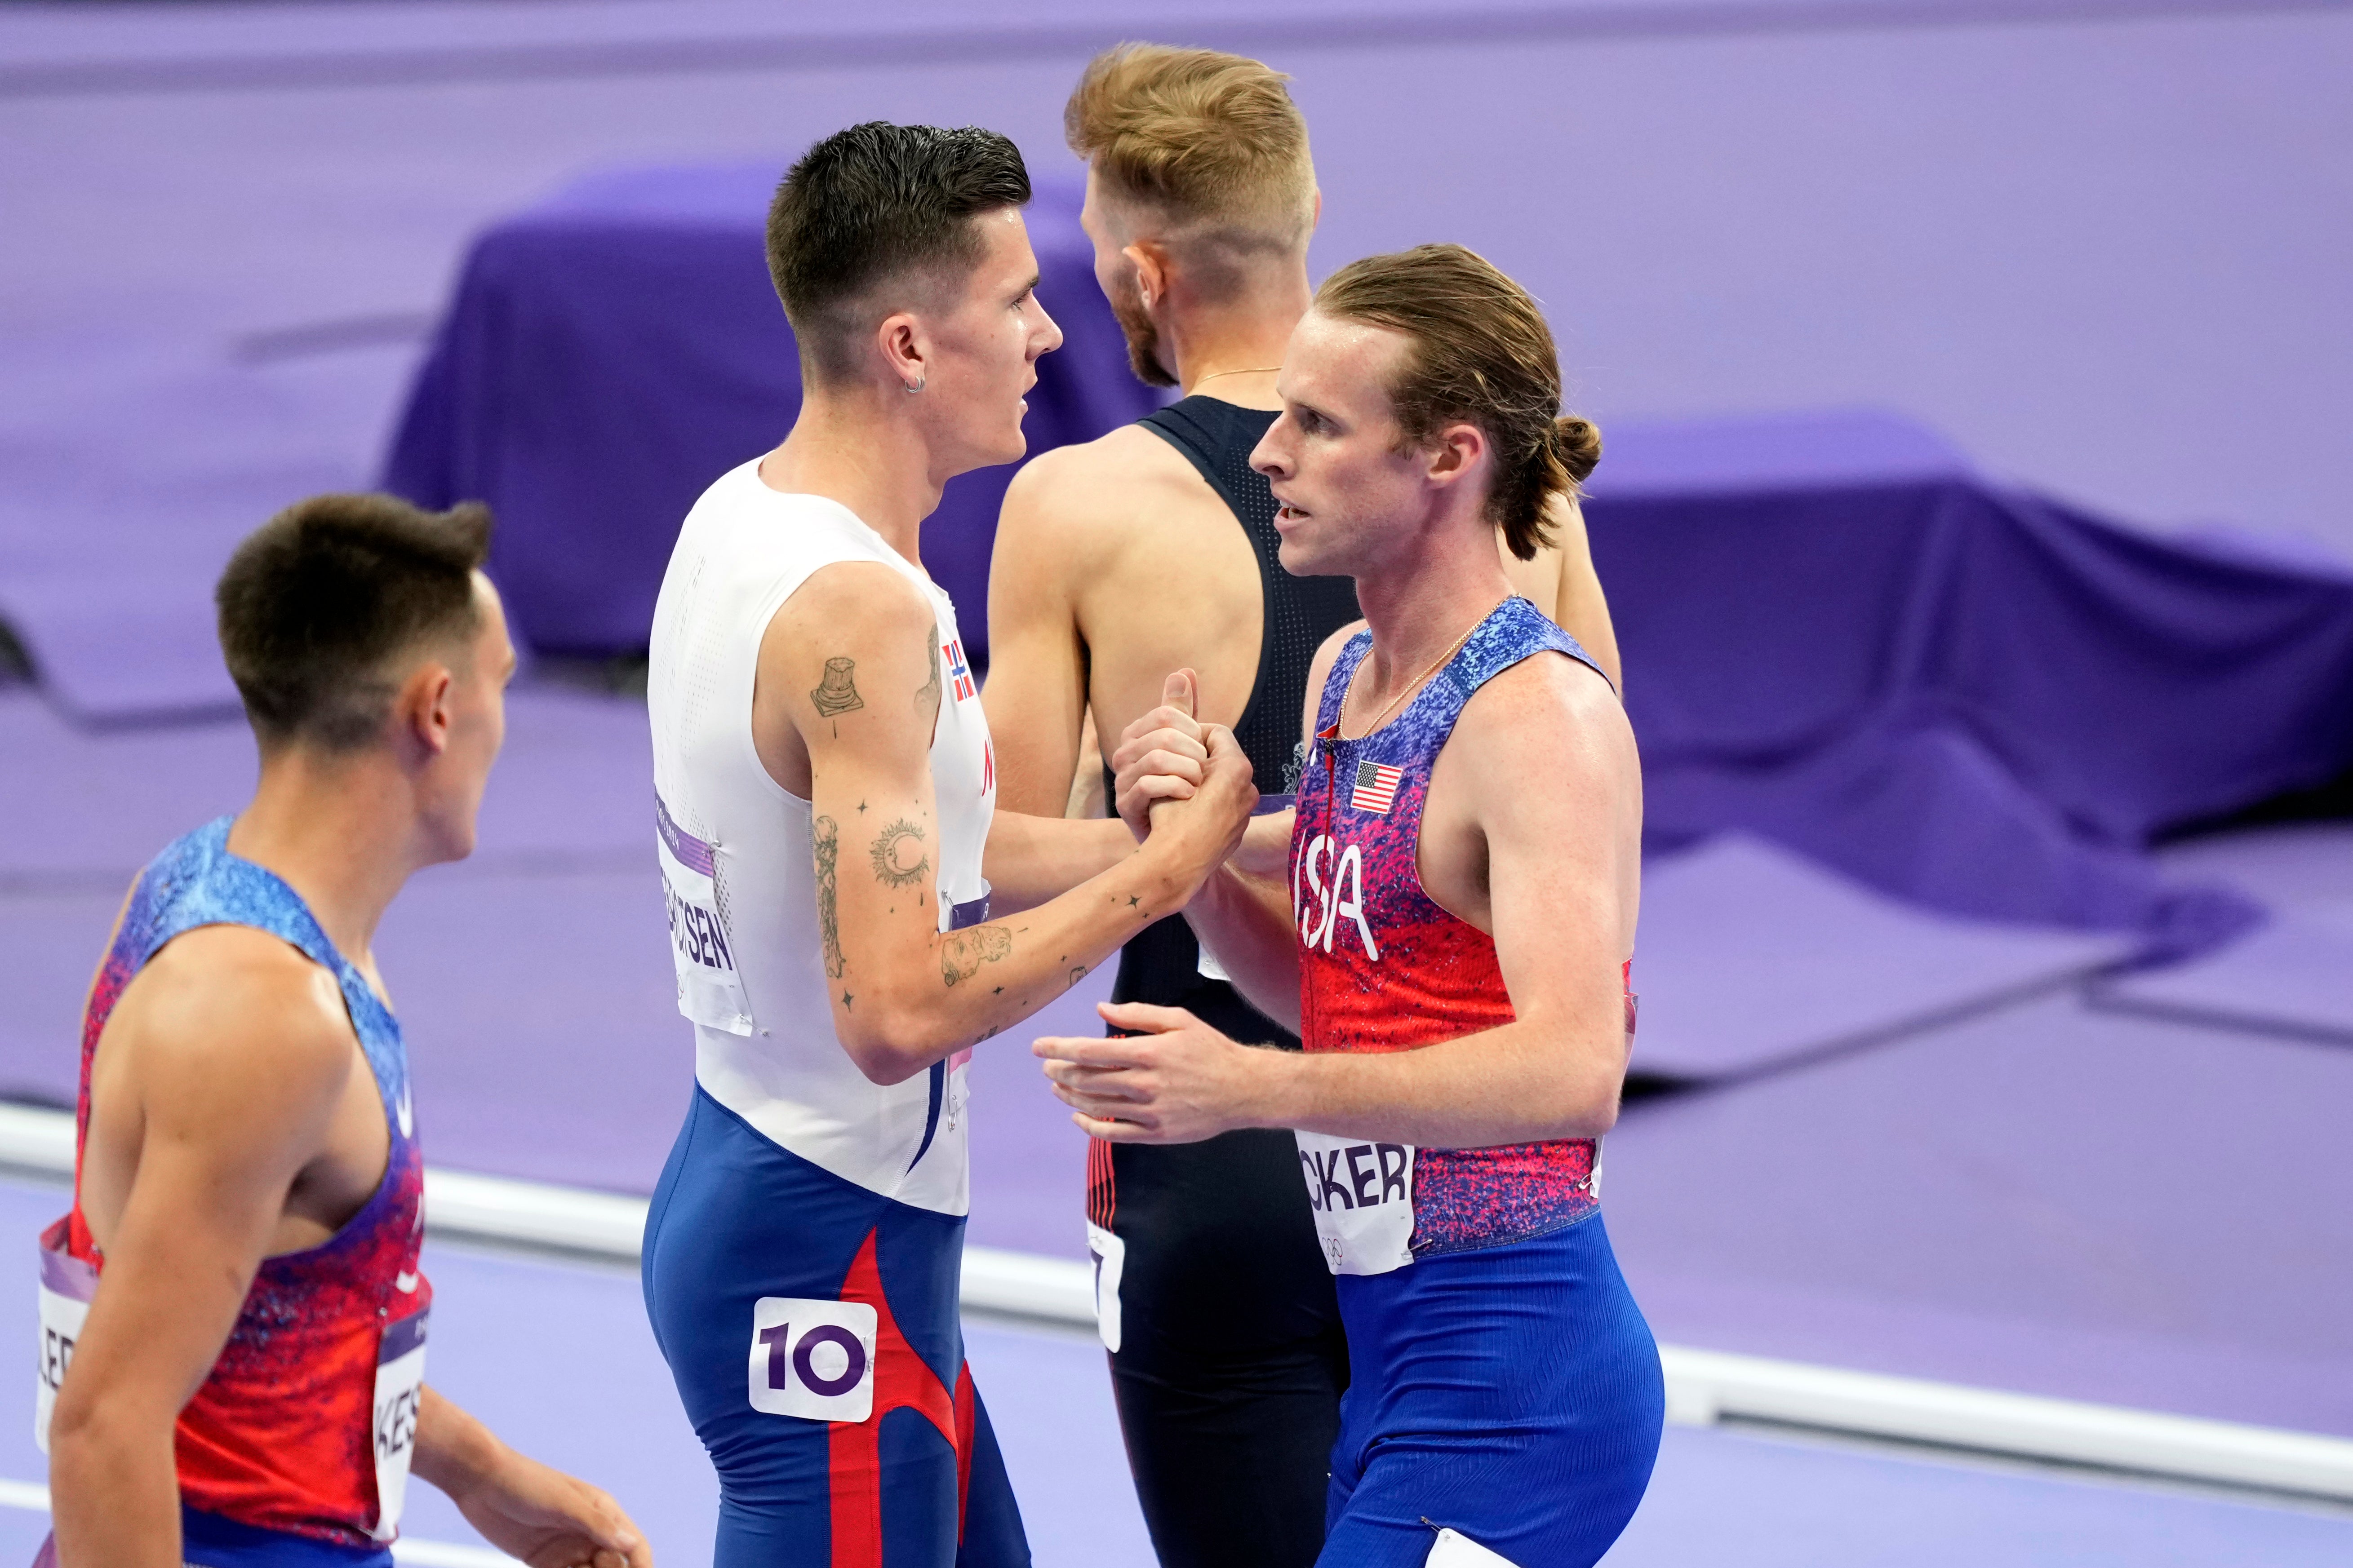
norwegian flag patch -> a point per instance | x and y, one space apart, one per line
1377 787
959 672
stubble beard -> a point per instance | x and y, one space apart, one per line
1143 338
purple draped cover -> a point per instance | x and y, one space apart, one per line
614 350
1837 636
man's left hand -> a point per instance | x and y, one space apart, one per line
549 1520
1174 1080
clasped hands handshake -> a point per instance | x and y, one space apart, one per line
1169 1079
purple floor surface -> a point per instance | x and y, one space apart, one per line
2004 280
511 1334
2294 976
86 808
1751 957
2048 1198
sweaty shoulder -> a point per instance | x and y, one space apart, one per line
1076 496
231 1018
1547 703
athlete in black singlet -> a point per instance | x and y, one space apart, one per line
1230 1361
1118 560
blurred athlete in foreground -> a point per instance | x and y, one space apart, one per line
1453 940
1116 562
825 799
232 1320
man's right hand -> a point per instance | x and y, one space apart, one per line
1183 783
1163 756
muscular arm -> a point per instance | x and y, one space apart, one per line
243 1054
904 993
1563 868
232 1065
1035 698
1036 694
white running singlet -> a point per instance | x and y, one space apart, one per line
735 849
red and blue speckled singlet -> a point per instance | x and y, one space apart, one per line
305 1425
1384 968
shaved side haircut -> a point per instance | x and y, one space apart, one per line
875 206
1209 145
319 602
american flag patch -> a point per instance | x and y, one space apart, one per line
1377 787
959 673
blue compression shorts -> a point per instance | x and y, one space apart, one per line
1510 1393
766 1275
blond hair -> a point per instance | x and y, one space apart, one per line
1478 352
1211 142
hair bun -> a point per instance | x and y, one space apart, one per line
1578 444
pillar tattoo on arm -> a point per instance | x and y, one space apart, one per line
927 696
837 693
824 838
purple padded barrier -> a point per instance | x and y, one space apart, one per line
1973 699
2049 1199
612 351
1749 959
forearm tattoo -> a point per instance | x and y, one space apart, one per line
826 839
962 952
898 855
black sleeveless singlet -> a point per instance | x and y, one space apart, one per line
1231 1359
1162 965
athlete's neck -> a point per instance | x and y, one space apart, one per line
1230 351
1420 606
851 446
343 831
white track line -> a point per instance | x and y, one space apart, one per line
1702 1386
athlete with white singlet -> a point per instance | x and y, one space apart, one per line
849 913
1449 920
233 1317
1116 561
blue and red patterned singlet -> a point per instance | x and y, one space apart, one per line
295 1448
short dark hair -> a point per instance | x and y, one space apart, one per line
874 201
316 601
1477 350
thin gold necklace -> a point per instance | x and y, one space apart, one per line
1378 719
1262 370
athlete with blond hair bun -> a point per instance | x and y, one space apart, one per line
1451 931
